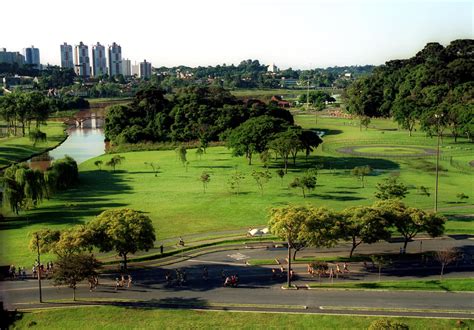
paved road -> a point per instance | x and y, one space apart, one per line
258 287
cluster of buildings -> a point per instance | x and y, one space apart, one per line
29 55
104 61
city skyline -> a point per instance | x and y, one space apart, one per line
298 34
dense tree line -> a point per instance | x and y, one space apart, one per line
435 88
253 74
25 188
194 113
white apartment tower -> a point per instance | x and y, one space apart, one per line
81 59
126 67
145 70
99 62
66 56
115 60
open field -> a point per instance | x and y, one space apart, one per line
461 284
177 204
152 318
16 148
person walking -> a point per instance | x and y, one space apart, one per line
117 283
129 283
205 273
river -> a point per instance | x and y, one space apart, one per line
84 141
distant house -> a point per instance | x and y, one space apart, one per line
278 100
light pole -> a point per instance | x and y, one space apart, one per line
438 117
39 268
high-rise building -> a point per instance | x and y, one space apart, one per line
135 69
115 60
32 57
126 67
145 70
11 57
99 62
81 60
66 56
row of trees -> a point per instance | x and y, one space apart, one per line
20 110
25 188
302 226
434 88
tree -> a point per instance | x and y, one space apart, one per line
37 136
235 180
70 269
98 163
261 178
391 188
154 166
306 182
380 261
406 112
181 151
281 173
115 161
445 257
461 197
319 229
63 174
205 178
363 224
409 221
287 223
122 230
22 187
253 136
364 121
361 172
424 191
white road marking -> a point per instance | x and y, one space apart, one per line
238 256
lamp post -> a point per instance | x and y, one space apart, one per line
39 268
438 117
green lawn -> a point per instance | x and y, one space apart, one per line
16 148
177 205
458 284
153 318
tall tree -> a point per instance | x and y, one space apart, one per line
70 269
363 224
122 230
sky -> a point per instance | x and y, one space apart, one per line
290 33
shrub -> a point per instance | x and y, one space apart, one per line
387 325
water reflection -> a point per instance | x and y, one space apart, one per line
81 144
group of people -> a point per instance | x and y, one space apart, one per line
16 273
282 273
19 272
180 279
330 272
120 282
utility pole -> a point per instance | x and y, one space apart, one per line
39 267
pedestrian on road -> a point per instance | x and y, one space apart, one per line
117 283
129 281
205 274
161 249
223 275
346 270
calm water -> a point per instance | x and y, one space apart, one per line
82 144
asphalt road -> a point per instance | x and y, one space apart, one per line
258 287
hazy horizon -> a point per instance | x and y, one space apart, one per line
298 34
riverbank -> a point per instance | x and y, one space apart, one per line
20 148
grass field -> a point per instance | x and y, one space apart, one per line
458 284
135 318
177 205
13 149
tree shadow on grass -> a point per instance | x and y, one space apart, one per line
336 198
93 194
336 163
